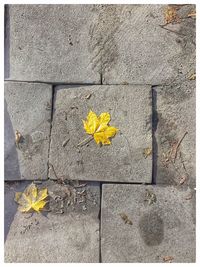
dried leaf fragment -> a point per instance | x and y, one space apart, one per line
182 180
98 127
65 142
31 199
147 152
192 77
189 196
125 218
168 258
67 191
171 15
87 96
150 197
192 14
18 137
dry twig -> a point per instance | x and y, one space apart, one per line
178 144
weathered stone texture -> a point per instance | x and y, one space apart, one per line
49 43
123 160
27 110
72 236
163 224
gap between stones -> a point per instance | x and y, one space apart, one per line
154 141
52 109
100 205
6 41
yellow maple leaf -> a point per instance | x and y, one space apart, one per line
31 198
98 127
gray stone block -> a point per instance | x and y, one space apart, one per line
52 237
123 160
133 47
49 43
27 110
174 111
163 224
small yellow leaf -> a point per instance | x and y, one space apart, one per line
99 128
31 198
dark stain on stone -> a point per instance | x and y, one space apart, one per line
125 113
151 228
29 146
166 175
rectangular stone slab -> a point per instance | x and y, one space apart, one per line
53 237
49 43
175 118
123 161
163 224
27 110
135 46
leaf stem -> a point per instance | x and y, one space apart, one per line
86 140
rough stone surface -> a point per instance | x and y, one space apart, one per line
174 110
52 237
10 206
123 160
161 228
49 43
134 48
28 110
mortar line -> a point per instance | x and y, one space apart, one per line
51 124
51 83
154 140
85 84
100 205
6 42
86 181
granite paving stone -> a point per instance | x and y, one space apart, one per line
123 160
28 111
163 224
54 237
49 43
174 112
135 48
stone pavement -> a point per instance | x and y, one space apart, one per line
163 224
71 236
123 161
133 200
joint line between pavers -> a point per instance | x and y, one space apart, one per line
53 83
154 140
52 109
6 42
100 205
